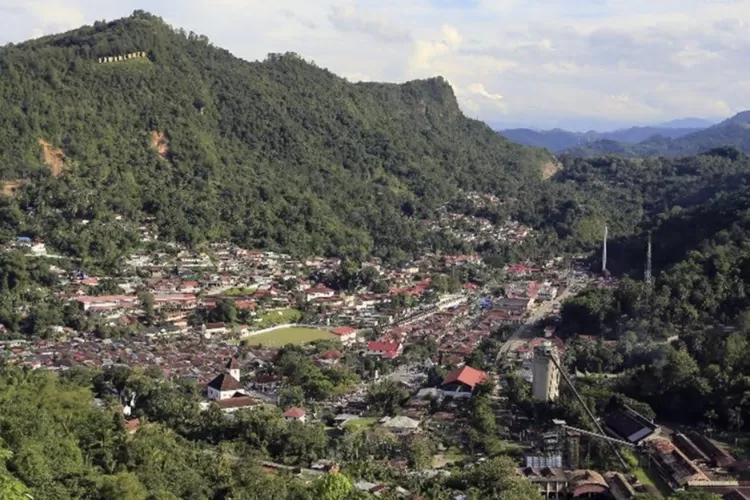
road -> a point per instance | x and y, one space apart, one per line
525 331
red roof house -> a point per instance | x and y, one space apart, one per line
462 382
297 414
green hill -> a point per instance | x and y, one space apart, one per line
275 154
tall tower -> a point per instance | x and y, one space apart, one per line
647 273
604 252
545 382
233 369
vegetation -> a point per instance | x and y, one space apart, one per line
73 448
277 154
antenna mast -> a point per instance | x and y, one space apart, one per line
604 252
647 274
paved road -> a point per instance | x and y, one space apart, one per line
525 331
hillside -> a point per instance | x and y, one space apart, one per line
558 140
135 119
734 131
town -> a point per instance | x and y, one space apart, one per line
434 331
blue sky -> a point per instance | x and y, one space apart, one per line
573 63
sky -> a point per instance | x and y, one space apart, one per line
576 64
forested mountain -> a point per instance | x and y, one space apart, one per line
558 140
734 131
275 154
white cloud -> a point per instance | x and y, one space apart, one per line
348 19
478 88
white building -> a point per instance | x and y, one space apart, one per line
227 384
346 334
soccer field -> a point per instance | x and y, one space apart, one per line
290 335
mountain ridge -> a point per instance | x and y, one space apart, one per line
734 131
275 154
558 140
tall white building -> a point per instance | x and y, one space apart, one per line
545 382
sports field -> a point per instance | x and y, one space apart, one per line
290 335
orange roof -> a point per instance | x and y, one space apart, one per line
294 413
466 375
343 330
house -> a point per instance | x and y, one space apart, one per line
346 334
266 382
460 383
387 350
329 357
214 329
401 425
631 426
318 292
132 425
513 305
294 414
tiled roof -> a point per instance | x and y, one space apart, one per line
466 375
225 382
343 330
294 413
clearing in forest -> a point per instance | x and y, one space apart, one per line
54 157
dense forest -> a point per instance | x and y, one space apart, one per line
272 154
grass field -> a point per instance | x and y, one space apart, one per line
290 335
361 423
276 317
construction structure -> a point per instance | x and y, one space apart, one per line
545 372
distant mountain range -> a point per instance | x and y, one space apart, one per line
675 138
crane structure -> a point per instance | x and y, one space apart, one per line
601 434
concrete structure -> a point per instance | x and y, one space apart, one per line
545 382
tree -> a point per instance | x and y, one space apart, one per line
386 396
291 396
147 304
420 450
10 487
124 485
332 486
734 416
496 478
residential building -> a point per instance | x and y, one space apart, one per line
295 415
387 350
461 382
346 334
401 425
